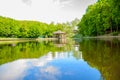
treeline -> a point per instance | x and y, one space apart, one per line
103 17
31 29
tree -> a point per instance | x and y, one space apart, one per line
100 18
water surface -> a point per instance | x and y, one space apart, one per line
85 60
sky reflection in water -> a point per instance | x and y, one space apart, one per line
63 66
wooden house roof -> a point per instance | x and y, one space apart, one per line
59 32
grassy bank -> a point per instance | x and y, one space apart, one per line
16 40
104 36
107 37
25 39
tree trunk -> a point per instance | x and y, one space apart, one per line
111 24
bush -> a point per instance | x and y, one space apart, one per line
115 33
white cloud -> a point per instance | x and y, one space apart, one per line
28 2
43 10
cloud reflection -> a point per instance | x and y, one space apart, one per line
63 66
13 71
23 68
49 73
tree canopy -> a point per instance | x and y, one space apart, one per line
101 18
32 29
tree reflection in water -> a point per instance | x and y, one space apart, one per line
11 52
104 55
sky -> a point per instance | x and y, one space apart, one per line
44 10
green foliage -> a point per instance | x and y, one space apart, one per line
100 17
30 29
8 27
114 33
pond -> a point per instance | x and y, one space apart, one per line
88 59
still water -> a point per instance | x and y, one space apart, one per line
88 59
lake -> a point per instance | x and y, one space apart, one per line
88 59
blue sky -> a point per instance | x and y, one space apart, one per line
44 10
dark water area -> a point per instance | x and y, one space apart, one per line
88 59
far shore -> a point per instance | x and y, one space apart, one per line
103 37
25 39
108 38
16 40
5 40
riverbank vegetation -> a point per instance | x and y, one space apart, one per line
11 28
101 18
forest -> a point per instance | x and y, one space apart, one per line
11 28
103 17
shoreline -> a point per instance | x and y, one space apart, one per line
103 37
17 40
25 39
107 38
